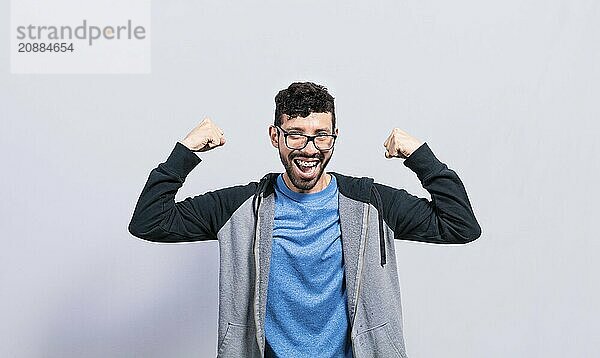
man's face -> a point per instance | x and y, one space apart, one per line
304 167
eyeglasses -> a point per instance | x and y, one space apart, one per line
299 141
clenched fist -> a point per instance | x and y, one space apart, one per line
205 136
400 144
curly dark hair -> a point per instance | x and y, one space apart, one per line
301 99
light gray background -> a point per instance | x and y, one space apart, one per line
504 92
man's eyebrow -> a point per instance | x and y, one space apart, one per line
301 130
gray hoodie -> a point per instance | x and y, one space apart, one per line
372 215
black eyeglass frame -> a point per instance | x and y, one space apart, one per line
309 138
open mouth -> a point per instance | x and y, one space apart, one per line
307 168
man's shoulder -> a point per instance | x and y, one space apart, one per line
250 188
354 187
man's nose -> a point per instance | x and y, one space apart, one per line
310 147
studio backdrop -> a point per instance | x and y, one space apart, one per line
505 93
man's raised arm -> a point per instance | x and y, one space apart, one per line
157 217
448 218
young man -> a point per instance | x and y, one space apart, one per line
307 261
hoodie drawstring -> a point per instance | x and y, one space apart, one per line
257 195
380 219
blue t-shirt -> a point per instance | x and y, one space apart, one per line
307 313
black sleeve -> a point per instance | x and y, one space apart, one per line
157 217
447 219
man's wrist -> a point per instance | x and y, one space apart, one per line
186 144
420 144
182 160
423 162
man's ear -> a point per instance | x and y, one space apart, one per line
274 136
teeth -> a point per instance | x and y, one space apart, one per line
306 164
